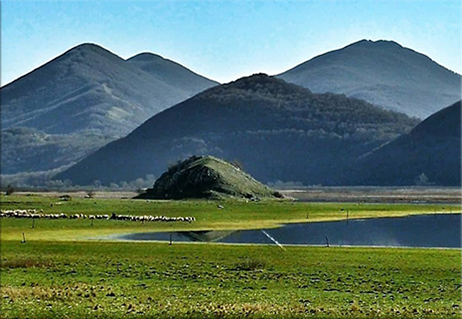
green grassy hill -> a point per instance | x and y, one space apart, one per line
207 177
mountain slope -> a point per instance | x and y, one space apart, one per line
278 131
383 73
207 177
90 88
171 73
429 154
84 98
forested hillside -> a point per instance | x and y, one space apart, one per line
276 130
429 155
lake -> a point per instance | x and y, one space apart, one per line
437 230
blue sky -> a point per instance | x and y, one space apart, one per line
225 40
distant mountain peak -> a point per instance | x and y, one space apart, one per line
88 47
82 99
377 44
383 73
170 72
257 77
147 57
261 84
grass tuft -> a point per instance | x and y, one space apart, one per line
250 264
26 262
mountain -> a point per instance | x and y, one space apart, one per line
383 73
171 73
276 130
81 100
428 155
207 177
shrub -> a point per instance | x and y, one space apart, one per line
251 264
9 189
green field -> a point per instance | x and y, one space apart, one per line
65 270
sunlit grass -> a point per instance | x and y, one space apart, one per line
65 270
233 215
90 279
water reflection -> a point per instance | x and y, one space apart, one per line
415 231
191 236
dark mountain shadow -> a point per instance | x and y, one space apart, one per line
276 130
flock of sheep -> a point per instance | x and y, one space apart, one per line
34 214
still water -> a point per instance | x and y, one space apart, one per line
442 230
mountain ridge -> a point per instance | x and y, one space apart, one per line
157 65
93 105
84 72
277 130
85 97
383 73
430 154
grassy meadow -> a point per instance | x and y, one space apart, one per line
65 269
